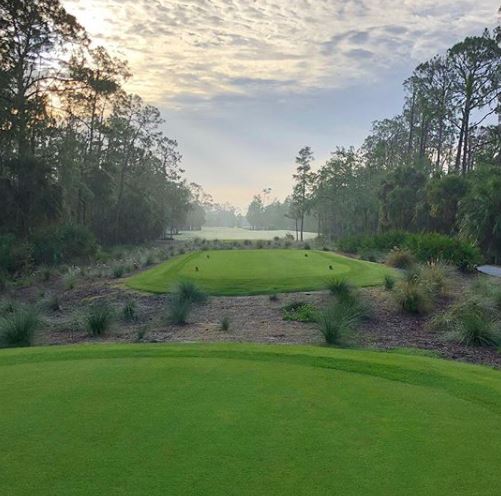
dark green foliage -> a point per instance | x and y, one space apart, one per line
273 297
339 321
18 328
178 310
64 243
118 271
99 318
425 247
15 255
189 291
299 311
225 323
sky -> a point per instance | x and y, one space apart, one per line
244 84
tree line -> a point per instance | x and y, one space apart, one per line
434 167
75 147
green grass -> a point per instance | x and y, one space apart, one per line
237 233
247 420
244 272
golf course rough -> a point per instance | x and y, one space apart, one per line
261 271
247 420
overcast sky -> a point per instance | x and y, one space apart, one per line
243 84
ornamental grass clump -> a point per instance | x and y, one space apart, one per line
18 328
339 321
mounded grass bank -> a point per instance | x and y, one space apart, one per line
246 272
222 419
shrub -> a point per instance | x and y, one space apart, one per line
426 247
273 297
129 310
225 323
338 322
15 255
412 297
473 321
189 291
64 243
340 288
99 319
118 271
18 328
389 282
400 258
299 311
178 310
435 277
307 246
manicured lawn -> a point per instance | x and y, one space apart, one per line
241 272
245 419
235 233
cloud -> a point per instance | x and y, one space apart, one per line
206 48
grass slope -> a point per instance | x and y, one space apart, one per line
247 420
243 272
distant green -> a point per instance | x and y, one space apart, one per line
250 420
246 272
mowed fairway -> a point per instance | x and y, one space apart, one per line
248 420
244 272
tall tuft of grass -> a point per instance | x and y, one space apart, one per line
412 297
189 291
70 278
178 310
225 323
129 311
18 328
340 288
470 322
338 322
389 282
99 319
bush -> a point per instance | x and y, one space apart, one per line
189 291
474 321
225 323
425 247
64 244
99 319
178 310
299 311
15 255
400 259
118 271
338 322
412 297
273 297
340 288
389 282
18 328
